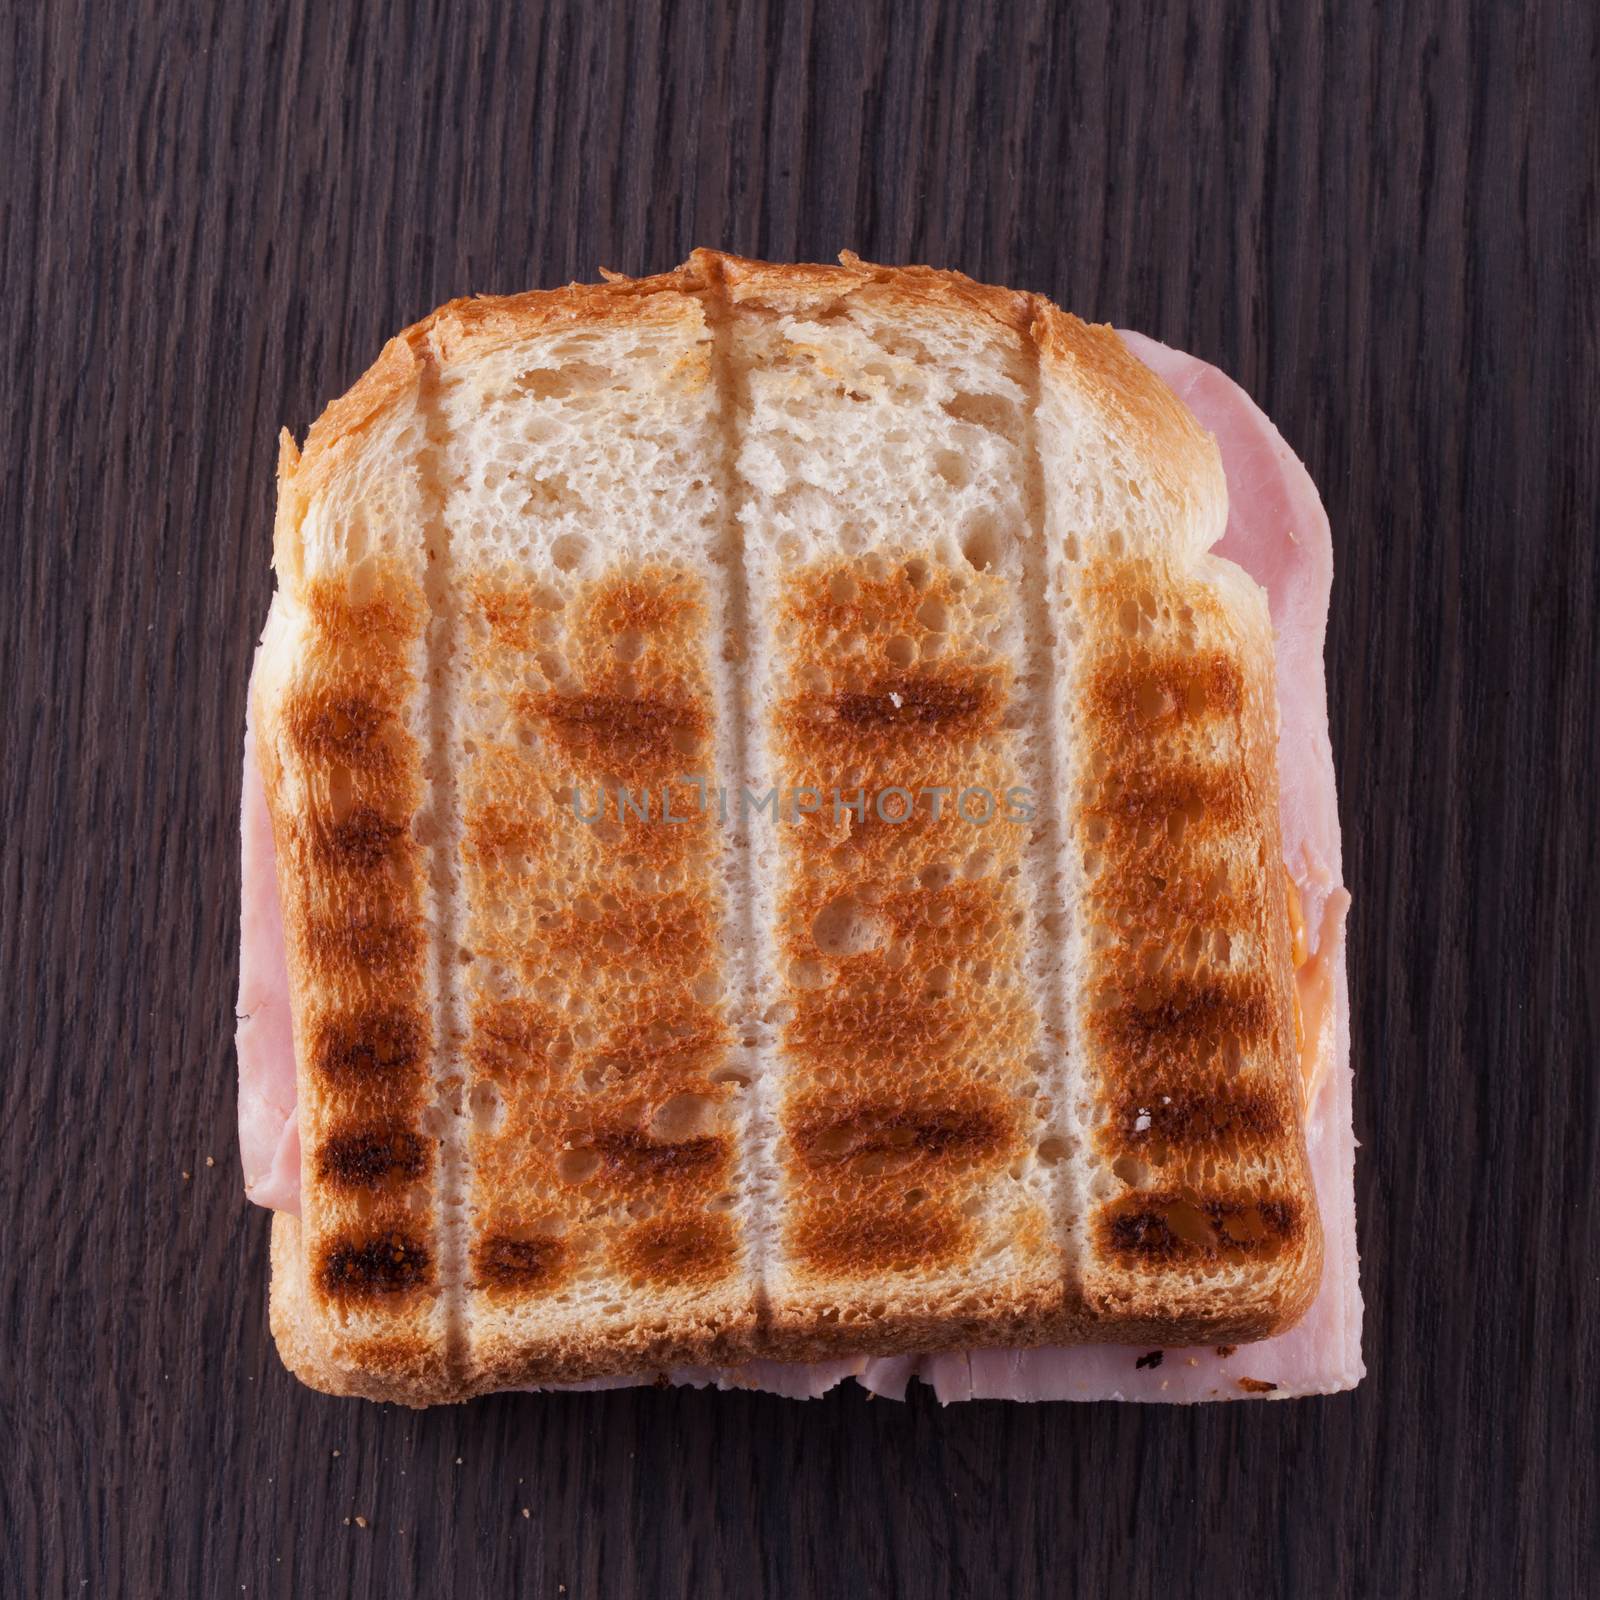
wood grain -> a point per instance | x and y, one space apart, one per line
1383 220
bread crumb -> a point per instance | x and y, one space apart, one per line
458 1461
361 1522
526 1512
186 1177
211 1161
1256 1385
1226 1350
336 1452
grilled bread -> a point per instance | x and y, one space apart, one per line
777 830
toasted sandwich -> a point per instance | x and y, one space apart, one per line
772 814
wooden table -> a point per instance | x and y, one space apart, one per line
1384 222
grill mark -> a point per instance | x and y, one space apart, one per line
1176 901
384 1045
831 1134
638 736
921 701
1158 1026
1155 691
1159 1229
344 729
627 1153
388 1265
368 1158
682 1251
371 943
1210 801
364 840
951 702
494 830
505 1263
389 619
1222 1116
855 1243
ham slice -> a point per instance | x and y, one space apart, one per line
1278 532
269 1134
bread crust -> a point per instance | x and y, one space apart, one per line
1177 462
1172 444
1165 444
466 329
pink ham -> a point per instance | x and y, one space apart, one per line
1278 532
269 1135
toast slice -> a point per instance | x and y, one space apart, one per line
777 829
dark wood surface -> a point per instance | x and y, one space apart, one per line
1383 220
